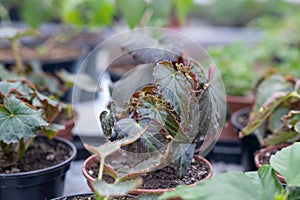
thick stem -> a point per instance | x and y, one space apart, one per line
17 57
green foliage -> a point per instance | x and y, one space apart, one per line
91 13
241 12
159 124
116 189
24 112
286 163
251 185
254 185
236 64
277 104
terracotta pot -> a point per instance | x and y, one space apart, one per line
92 160
238 102
262 151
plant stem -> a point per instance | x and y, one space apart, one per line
101 169
16 54
145 18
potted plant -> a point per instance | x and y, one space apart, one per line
251 185
56 85
32 166
275 115
157 132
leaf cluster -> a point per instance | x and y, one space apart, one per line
250 185
160 124
24 112
275 116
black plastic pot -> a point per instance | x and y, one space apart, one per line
40 184
249 144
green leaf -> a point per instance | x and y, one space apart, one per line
51 130
153 138
116 189
268 87
166 76
265 111
21 88
236 186
81 80
182 155
108 119
19 121
8 74
148 102
275 118
182 7
286 163
133 11
293 193
46 83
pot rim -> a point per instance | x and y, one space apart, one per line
238 113
142 191
258 155
48 169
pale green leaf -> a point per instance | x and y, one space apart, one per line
116 189
17 120
286 163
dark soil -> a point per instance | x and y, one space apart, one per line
166 177
243 120
41 154
265 158
92 197
57 54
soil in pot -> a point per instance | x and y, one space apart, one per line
41 154
92 197
165 178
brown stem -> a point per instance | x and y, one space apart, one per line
17 57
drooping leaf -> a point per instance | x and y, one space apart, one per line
51 130
18 120
51 107
286 163
182 156
275 118
268 87
80 80
46 83
287 132
279 137
116 189
265 111
250 186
